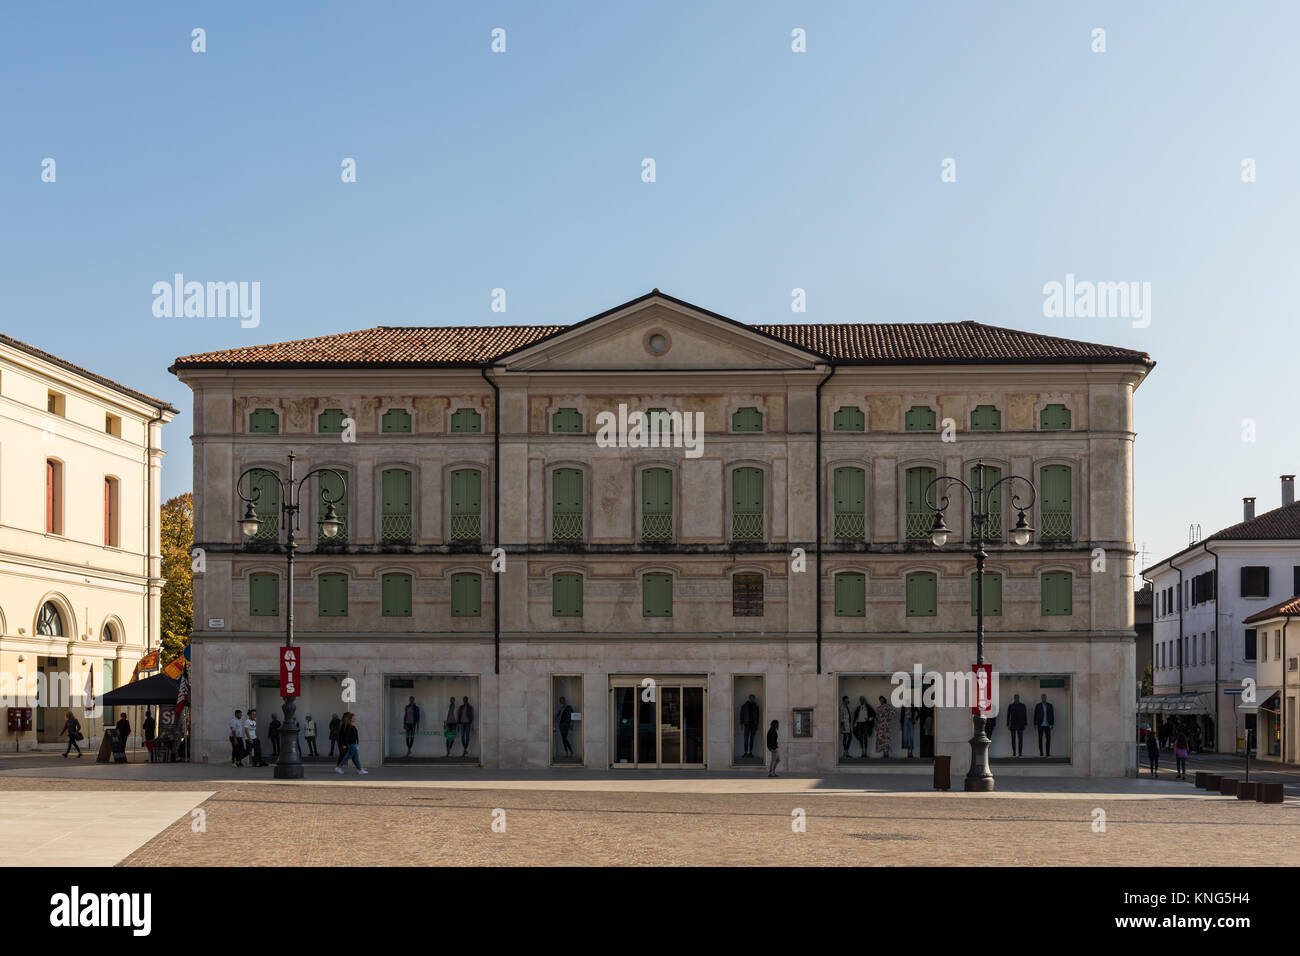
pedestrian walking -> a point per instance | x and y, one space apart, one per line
1153 754
309 731
237 739
251 742
349 743
72 729
772 747
1180 755
123 735
150 727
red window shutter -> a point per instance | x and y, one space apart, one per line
49 497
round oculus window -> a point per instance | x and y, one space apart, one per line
657 343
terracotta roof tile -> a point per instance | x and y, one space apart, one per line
1279 524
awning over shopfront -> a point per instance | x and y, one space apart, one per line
1176 704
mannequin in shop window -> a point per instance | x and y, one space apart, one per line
908 722
564 723
1044 721
1017 719
465 717
749 718
884 727
410 723
927 732
864 720
450 725
846 726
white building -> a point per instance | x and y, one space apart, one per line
1203 647
80 568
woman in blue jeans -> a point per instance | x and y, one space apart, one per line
348 742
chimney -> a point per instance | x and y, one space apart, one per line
1247 508
1288 490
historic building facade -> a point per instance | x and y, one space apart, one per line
657 605
80 567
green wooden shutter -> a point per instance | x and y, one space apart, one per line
1055 506
466 420
657 504
1054 417
992 594
566 420
1057 597
919 418
747 504
396 420
264 420
985 418
466 590
264 595
566 504
919 516
922 594
850 595
747 420
850 503
395 515
849 418
329 483
566 595
657 595
396 595
466 504
330 420
991 476
265 487
332 595
657 423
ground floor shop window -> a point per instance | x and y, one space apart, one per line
319 707
432 717
869 726
566 718
749 726
657 721
1033 718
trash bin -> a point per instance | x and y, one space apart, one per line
942 772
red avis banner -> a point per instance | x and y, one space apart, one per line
983 690
290 669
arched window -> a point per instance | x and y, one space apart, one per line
49 622
108 634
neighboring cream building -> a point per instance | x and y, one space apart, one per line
80 569
1279 679
625 564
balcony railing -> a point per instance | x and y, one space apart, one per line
566 527
992 527
850 526
656 527
395 528
269 529
1056 526
466 527
919 524
747 526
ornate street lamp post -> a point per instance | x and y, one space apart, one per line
979 778
289 766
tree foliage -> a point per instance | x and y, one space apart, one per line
177 532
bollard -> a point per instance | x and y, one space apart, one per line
1212 781
1268 793
1228 786
1200 779
1247 791
942 772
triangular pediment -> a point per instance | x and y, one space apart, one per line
632 337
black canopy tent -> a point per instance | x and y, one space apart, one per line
159 689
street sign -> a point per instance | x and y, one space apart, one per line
983 690
290 671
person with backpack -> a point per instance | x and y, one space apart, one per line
72 729
1180 755
349 743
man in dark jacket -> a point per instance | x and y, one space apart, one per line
123 734
1017 720
273 732
1044 720
749 720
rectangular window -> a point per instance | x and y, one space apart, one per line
55 403
850 504
566 504
922 594
113 426
747 595
566 420
985 418
658 426
396 421
850 595
330 421
992 594
111 538
396 595
747 504
466 420
1054 418
1254 582
656 504
850 419
466 505
747 420
466 593
265 488
566 595
264 595
919 516
53 497
919 418
1057 592
332 595
395 521
657 595
1055 503
263 420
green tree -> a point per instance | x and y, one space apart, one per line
1148 685
177 532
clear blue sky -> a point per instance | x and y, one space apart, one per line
775 170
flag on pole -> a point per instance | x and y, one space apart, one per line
175 668
147 663
182 694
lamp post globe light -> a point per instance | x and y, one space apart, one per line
979 778
289 766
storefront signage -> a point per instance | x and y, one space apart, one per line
290 668
1052 682
216 623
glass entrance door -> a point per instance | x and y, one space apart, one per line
658 725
